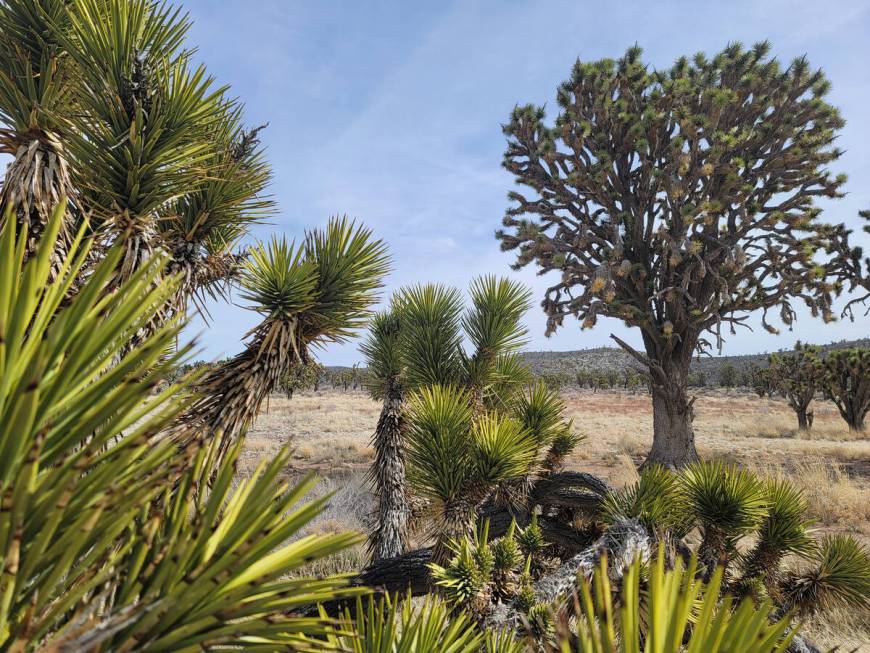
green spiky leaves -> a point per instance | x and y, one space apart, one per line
725 497
657 501
838 577
349 266
675 613
277 279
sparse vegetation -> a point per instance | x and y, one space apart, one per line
148 503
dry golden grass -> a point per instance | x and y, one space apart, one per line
331 433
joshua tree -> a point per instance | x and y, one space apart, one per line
679 202
416 344
300 377
313 294
797 376
846 381
762 381
381 350
728 376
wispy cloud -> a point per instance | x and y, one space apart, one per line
391 112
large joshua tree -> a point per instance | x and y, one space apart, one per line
679 202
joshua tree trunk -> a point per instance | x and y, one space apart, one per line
389 538
673 436
803 420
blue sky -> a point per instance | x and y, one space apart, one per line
391 112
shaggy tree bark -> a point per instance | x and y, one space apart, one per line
390 536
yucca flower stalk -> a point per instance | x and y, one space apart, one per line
308 295
35 93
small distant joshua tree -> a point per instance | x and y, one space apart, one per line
679 202
847 384
798 376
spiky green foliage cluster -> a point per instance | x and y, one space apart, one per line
657 501
387 625
675 613
846 379
308 296
470 429
456 460
728 503
748 527
839 576
101 102
797 376
531 538
112 536
479 571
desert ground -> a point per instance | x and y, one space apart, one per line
330 432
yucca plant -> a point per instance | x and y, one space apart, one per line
455 460
35 94
110 539
390 625
674 613
658 501
784 529
309 295
389 537
838 576
418 343
139 140
728 503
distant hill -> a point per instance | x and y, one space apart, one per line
613 358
